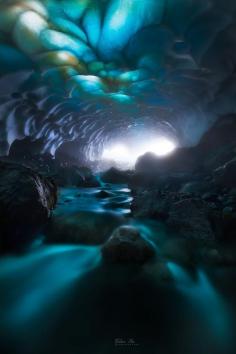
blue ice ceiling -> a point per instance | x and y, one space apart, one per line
92 70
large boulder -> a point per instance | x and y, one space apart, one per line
183 160
26 201
126 245
216 148
90 228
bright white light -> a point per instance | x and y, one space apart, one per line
127 155
161 147
119 153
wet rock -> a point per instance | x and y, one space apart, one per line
113 175
26 201
104 194
189 218
88 228
126 245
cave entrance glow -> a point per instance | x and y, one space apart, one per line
125 155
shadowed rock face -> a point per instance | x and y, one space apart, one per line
91 71
216 148
193 190
26 203
126 245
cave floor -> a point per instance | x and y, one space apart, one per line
63 299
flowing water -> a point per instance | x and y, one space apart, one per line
63 299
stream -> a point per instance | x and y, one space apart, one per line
63 299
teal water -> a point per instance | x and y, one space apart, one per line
62 298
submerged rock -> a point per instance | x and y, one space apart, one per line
89 228
126 245
26 201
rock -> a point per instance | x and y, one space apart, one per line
26 201
104 194
151 204
226 174
197 187
233 192
75 176
210 197
89 228
219 257
182 160
227 211
189 218
126 245
217 146
113 175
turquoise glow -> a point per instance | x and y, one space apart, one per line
49 271
124 18
92 25
212 309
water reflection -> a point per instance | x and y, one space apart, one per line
72 200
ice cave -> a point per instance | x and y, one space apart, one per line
117 176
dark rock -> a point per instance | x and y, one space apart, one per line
82 228
218 144
226 174
25 148
189 218
113 175
198 187
126 245
104 194
182 160
150 204
26 201
210 197
75 176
